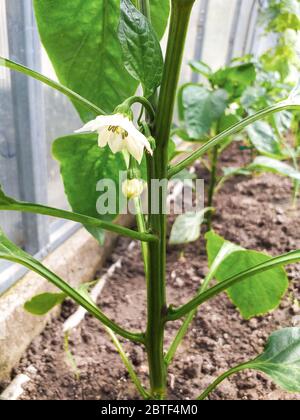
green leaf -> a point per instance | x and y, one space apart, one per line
142 54
235 79
200 67
172 150
275 166
283 121
199 108
43 303
81 40
281 359
281 15
227 121
253 97
231 171
264 139
187 227
83 164
262 292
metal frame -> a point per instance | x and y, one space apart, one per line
40 237
28 108
203 10
234 29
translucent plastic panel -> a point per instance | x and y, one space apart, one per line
61 119
11 223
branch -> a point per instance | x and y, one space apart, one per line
289 104
289 258
4 62
9 204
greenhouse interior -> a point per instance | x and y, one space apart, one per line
149 202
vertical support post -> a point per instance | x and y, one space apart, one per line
203 10
28 108
234 28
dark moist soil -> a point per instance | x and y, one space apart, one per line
253 212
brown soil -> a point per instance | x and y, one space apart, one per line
255 213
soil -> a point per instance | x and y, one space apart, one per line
253 212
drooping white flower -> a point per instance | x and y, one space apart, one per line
119 132
133 188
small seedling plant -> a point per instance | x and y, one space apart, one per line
102 51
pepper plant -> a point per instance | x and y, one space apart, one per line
102 51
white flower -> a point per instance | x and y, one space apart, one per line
132 188
119 133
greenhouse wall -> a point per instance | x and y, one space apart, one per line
31 119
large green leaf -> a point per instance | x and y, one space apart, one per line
265 164
234 79
262 292
199 108
281 359
264 139
82 165
80 37
142 54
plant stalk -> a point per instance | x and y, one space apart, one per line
158 169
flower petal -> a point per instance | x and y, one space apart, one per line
100 122
135 148
139 137
90 126
103 137
116 142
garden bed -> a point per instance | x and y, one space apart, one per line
254 212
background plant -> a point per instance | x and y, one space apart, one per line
101 52
248 84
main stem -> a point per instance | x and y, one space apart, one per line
157 169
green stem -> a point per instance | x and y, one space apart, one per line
30 263
293 156
79 218
144 7
157 168
212 185
128 364
139 100
54 85
180 15
141 223
218 381
215 141
282 260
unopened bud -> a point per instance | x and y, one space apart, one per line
132 188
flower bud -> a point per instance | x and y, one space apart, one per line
132 188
